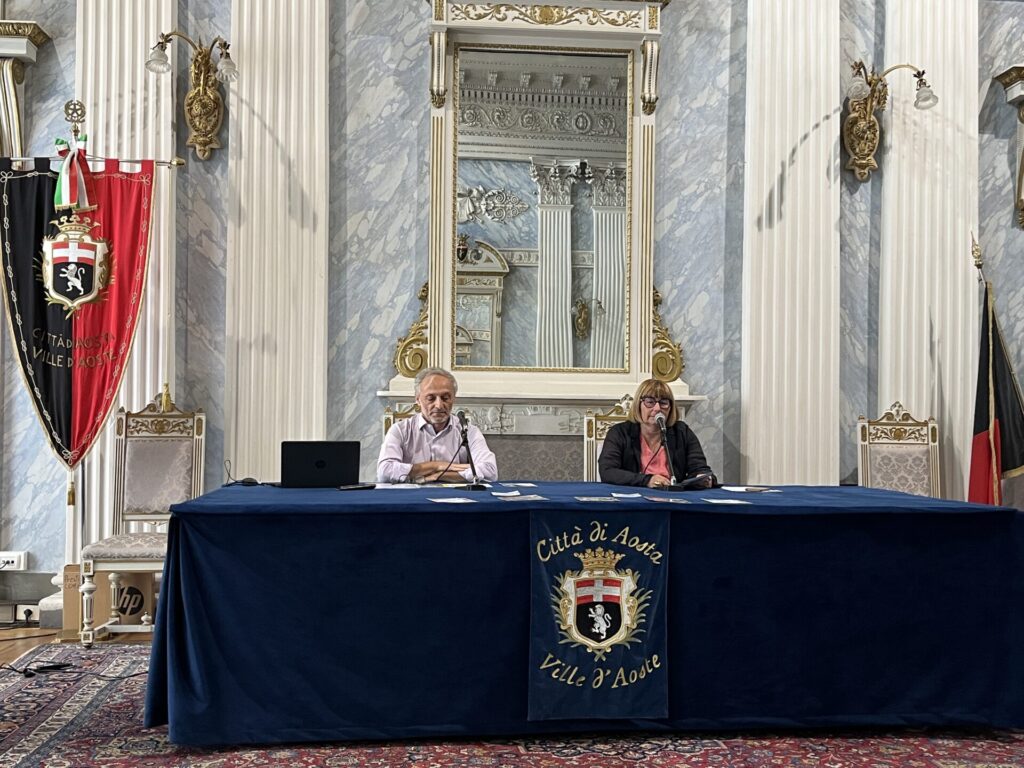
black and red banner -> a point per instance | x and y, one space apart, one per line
73 286
997 451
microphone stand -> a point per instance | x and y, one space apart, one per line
668 456
476 485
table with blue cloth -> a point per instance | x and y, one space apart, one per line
322 615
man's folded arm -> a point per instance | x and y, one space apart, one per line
390 465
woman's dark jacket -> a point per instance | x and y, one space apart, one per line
620 457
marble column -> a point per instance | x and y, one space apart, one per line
929 303
790 360
608 312
276 314
554 269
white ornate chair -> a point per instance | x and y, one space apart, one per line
899 453
391 416
158 461
595 427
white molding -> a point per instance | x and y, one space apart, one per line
928 295
276 314
790 361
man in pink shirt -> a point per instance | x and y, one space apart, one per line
428 446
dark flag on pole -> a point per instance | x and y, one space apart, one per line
998 448
73 282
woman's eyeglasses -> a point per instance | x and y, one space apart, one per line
650 402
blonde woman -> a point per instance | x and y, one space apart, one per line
634 453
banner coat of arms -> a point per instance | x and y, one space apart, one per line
73 284
598 633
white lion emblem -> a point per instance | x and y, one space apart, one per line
602 621
73 274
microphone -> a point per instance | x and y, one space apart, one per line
463 421
659 418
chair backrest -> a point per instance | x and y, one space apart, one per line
899 453
390 416
158 460
595 428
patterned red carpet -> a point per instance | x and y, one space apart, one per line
74 720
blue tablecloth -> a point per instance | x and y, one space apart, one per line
314 615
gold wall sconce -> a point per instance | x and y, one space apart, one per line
581 316
1012 81
204 106
869 93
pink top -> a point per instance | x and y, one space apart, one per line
659 464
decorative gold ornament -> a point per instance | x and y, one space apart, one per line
545 15
581 319
411 350
979 259
652 18
204 106
599 560
438 52
27 29
649 82
667 363
869 93
1010 80
896 425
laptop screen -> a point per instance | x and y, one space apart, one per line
319 463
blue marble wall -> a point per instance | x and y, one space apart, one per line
32 481
699 210
379 204
519 319
202 200
862 37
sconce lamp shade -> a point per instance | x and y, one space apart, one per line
157 61
925 99
227 72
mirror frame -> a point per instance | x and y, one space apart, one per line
619 26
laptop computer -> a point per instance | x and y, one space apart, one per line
319 463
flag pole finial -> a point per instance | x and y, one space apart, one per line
979 259
74 113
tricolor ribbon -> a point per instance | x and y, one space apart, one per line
74 181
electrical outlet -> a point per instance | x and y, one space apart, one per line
13 561
26 612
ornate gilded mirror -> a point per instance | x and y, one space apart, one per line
542 134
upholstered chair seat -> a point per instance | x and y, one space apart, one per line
147 545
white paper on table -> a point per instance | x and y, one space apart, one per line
749 489
504 493
456 500
385 486
725 501
519 485
626 495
